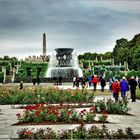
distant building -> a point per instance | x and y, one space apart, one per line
37 59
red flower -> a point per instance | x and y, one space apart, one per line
38 113
92 109
28 133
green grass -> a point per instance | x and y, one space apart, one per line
138 93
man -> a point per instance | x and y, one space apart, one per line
103 83
124 87
133 84
116 89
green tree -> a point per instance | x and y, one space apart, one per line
118 50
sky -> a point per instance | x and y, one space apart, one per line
85 25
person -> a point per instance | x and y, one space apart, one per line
139 83
110 84
60 80
83 82
77 81
74 81
21 85
54 80
133 84
124 87
94 81
57 81
89 81
34 80
116 89
38 80
103 83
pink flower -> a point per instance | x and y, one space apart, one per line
92 109
18 115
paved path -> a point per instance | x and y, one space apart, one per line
63 86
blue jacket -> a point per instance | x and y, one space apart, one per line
124 85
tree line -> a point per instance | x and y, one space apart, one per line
123 50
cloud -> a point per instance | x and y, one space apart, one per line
85 25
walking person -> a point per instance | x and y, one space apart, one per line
139 83
34 80
133 84
83 82
38 80
116 88
21 85
110 84
77 81
74 81
103 83
94 81
60 80
89 81
124 87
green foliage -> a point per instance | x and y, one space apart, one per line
138 93
1 77
103 117
90 117
92 56
6 64
110 106
33 66
133 73
128 51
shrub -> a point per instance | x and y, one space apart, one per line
109 105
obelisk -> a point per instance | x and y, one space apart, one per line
44 44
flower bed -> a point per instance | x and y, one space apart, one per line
78 133
108 105
43 113
39 94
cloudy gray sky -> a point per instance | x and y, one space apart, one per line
86 25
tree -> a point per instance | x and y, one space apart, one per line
117 51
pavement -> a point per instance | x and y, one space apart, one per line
8 118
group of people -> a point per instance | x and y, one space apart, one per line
57 80
36 80
123 86
115 86
89 82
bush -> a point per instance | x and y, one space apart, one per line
121 107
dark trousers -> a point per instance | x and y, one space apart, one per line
116 96
94 85
102 88
133 95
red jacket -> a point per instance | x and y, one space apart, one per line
94 80
116 87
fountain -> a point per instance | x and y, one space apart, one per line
64 62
